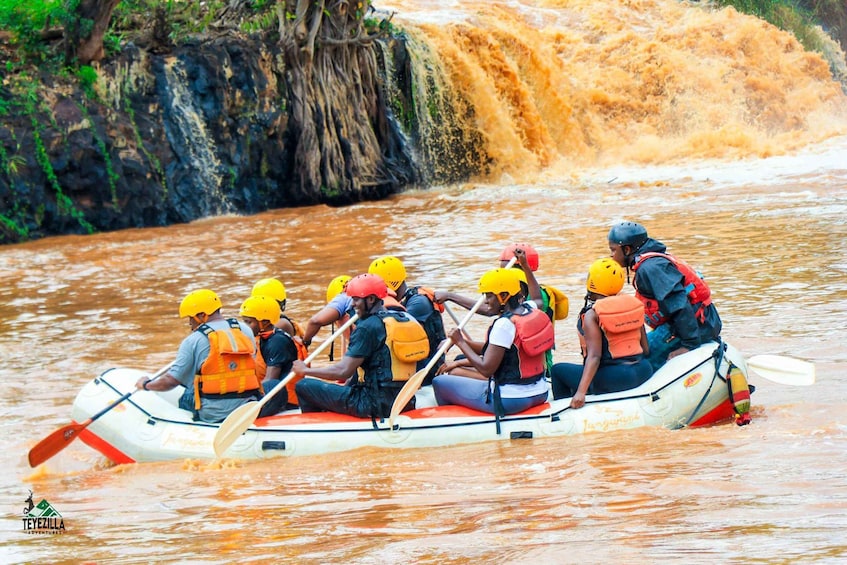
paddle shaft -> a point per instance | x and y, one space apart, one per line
281 384
452 314
243 417
413 384
61 438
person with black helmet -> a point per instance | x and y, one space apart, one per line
382 354
677 301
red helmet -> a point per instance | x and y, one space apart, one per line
365 285
531 254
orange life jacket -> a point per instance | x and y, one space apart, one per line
230 369
698 291
621 318
262 367
429 293
298 331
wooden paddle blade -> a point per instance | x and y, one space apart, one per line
238 421
783 370
406 393
54 443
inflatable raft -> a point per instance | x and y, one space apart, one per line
148 426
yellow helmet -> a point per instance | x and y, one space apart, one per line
269 287
391 270
500 280
336 286
605 277
521 275
261 308
195 302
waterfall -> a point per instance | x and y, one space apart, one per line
187 134
556 85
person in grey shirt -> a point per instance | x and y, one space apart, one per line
219 395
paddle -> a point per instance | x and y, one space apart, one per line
452 314
61 438
243 417
414 383
783 370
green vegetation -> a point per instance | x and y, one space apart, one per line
800 17
152 159
31 103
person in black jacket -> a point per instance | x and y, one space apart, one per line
678 304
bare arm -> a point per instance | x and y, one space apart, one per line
594 350
531 282
161 384
485 364
323 317
465 302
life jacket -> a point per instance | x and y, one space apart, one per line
699 295
230 369
534 336
558 302
621 318
298 331
433 325
426 291
406 341
262 367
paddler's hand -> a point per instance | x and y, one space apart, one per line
578 400
520 254
678 352
445 368
299 368
456 336
302 342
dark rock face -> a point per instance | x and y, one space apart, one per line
169 138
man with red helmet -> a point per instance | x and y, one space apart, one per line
373 368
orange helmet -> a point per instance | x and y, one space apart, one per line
365 285
531 254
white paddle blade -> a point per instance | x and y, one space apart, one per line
238 421
783 370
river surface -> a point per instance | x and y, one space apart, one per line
715 130
767 233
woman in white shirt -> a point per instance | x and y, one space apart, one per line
504 374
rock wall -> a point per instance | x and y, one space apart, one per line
156 139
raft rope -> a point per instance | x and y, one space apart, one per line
718 356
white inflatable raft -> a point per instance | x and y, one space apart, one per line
148 426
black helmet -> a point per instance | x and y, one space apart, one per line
628 233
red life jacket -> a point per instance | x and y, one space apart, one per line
621 318
534 336
698 291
